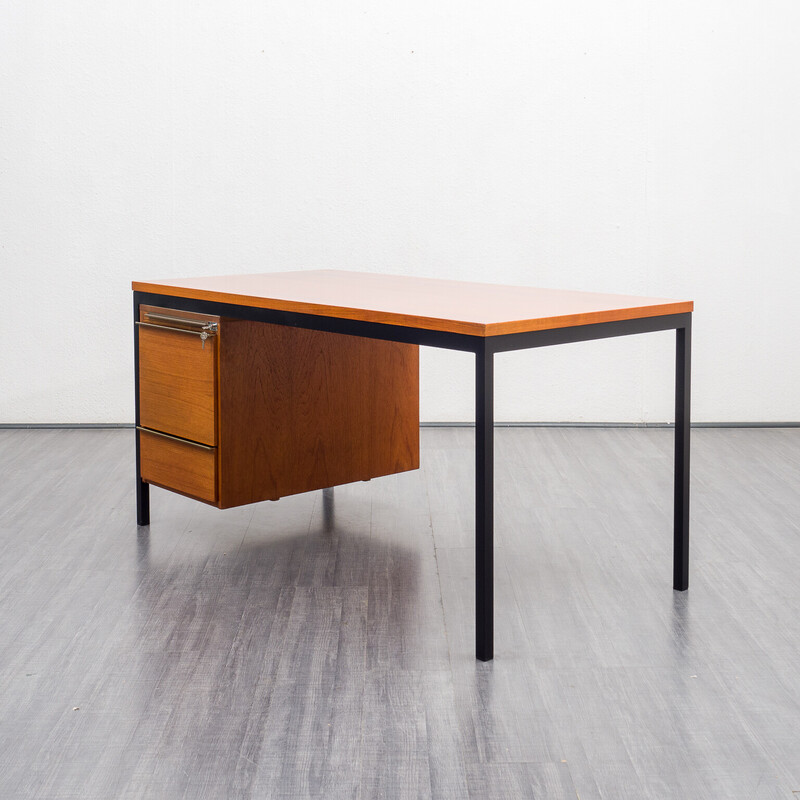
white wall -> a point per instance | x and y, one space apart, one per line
634 147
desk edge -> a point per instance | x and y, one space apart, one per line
425 323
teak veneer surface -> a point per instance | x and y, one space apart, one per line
303 410
180 466
177 384
479 309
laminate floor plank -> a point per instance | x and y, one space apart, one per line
394 741
406 626
322 646
541 781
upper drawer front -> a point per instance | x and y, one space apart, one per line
177 381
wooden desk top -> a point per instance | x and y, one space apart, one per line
478 309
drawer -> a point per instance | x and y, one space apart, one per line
184 467
177 374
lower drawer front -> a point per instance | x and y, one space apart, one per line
183 466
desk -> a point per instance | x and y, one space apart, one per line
483 319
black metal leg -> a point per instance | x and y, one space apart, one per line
142 488
683 353
142 496
484 503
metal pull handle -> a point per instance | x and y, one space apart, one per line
210 330
176 438
196 323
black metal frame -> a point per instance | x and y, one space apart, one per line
142 488
484 348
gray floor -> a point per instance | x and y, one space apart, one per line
323 646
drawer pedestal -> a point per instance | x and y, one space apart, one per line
253 411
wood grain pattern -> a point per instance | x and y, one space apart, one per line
303 410
177 384
181 466
479 309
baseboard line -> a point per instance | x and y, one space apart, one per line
65 425
613 424
117 425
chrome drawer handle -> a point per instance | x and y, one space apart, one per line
176 438
199 323
210 330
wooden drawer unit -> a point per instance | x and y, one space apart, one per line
279 410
